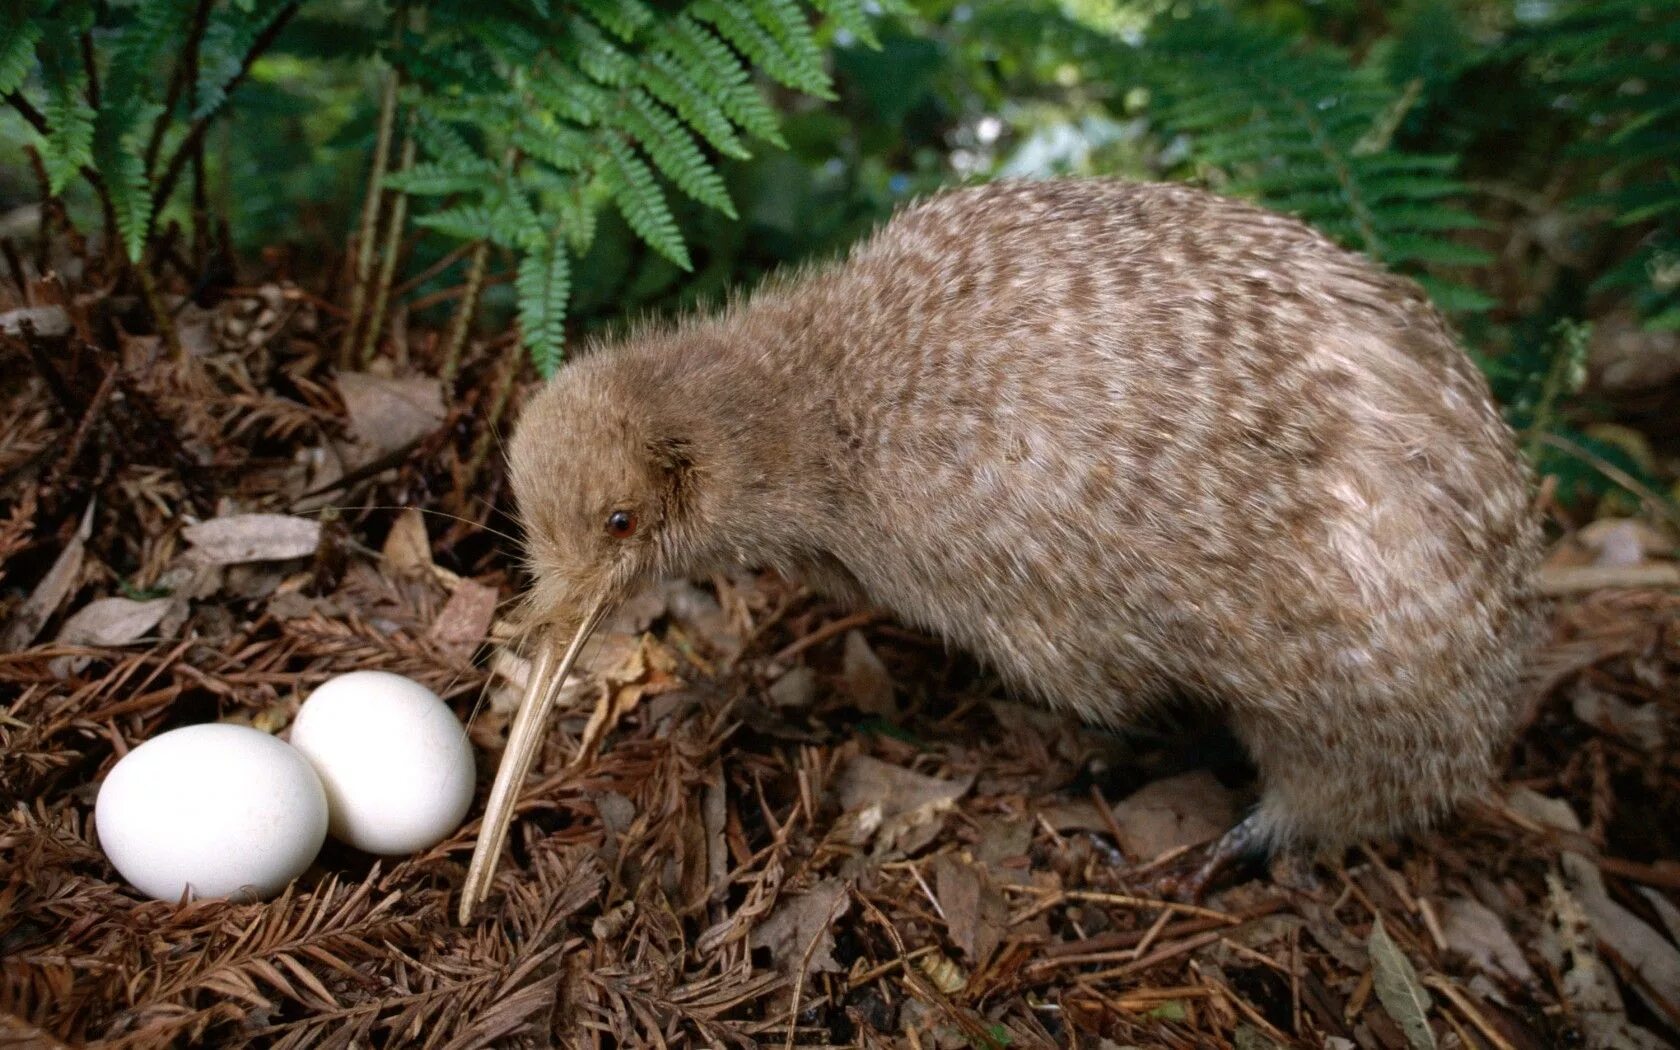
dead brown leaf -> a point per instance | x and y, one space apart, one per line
238 538
407 548
464 622
389 414
50 593
798 931
866 678
1185 810
113 621
1474 931
975 911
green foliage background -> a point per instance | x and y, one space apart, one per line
617 157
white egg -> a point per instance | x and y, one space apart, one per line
217 810
394 759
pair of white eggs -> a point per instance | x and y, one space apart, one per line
221 810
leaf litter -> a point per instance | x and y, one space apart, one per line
790 823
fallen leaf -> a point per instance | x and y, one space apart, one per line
50 593
1587 985
794 689
390 414
1185 810
1398 989
407 548
1668 913
1473 930
1624 542
701 617
464 622
238 538
48 321
1642 948
974 910
905 810
1081 814
113 621
1648 952
1246 1037
869 781
866 678
1639 724
798 931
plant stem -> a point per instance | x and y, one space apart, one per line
388 261
185 78
512 358
195 134
160 313
461 323
370 218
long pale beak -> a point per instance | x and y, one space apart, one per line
547 677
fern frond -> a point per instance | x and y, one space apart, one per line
229 37
138 51
544 284
1305 132
642 204
18 37
623 18
117 154
667 82
769 41
68 145
675 153
467 222
434 180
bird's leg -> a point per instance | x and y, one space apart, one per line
1243 845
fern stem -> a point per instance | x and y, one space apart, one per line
513 356
370 217
159 310
92 69
388 262
461 323
195 134
185 78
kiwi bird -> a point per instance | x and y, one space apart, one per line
1125 442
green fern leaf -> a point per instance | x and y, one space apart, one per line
642 204
467 222
137 54
118 130
68 145
18 37
228 38
850 16
710 62
667 82
785 64
544 286
623 18
432 180
675 153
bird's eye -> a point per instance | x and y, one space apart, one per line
621 524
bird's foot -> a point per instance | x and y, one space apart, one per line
1243 847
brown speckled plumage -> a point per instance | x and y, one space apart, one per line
1122 441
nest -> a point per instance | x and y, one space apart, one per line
804 826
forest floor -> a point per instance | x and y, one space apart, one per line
805 827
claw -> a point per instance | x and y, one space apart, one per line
1242 846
